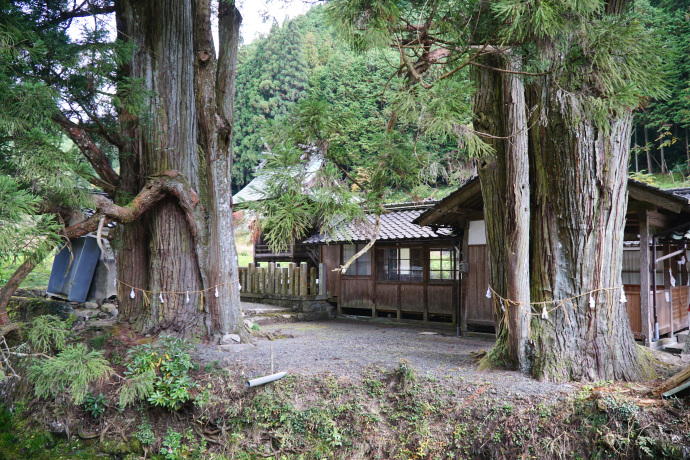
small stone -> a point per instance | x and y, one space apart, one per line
114 313
84 315
108 308
91 305
249 324
229 339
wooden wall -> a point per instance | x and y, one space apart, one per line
330 257
479 308
633 307
395 299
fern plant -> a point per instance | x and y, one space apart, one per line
48 332
70 372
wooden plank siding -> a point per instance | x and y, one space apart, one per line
479 308
632 294
330 257
394 299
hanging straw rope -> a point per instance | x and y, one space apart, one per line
540 308
148 295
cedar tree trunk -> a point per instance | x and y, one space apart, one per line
500 111
579 195
555 196
188 128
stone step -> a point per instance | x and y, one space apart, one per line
263 320
667 341
675 348
257 309
682 337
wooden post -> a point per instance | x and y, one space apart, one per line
284 284
295 285
262 282
322 279
303 286
293 272
645 267
271 278
312 281
250 277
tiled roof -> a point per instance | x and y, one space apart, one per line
396 225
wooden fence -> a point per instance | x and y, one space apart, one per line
289 280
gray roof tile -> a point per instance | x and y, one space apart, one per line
396 225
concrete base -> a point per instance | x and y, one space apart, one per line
309 308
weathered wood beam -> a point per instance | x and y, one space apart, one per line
645 267
668 202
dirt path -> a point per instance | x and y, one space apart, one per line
351 348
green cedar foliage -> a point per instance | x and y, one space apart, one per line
46 74
48 333
271 76
70 373
668 119
359 87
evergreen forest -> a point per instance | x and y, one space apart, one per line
306 58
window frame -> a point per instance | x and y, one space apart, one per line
358 262
398 253
453 270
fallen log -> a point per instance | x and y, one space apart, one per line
673 382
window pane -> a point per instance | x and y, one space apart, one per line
364 262
381 270
404 264
435 275
434 255
417 275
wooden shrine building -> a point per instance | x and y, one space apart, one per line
657 230
411 272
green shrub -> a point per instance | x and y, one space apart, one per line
159 373
70 372
95 405
145 433
48 333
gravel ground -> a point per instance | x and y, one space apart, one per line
351 348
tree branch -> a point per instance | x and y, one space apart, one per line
377 228
78 13
110 180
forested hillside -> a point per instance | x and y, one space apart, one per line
305 60
661 126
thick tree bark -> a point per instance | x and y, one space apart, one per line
500 112
579 201
187 129
555 233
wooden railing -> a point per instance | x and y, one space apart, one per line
289 280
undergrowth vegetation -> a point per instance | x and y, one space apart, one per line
156 403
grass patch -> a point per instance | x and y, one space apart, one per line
37 279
